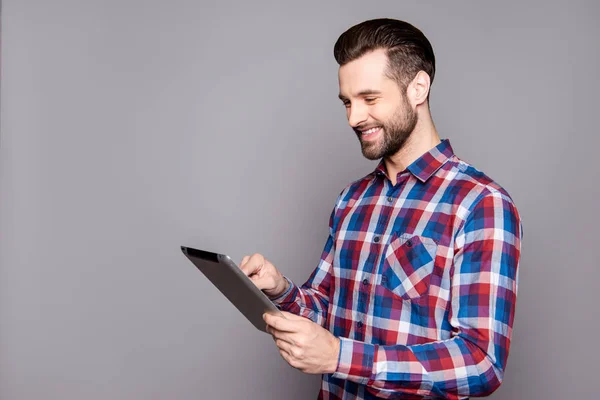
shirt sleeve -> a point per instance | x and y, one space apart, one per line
311 300
483 295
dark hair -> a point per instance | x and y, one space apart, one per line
407 48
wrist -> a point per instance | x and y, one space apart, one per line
335 355
281 287
285 284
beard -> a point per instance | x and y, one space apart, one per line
395 133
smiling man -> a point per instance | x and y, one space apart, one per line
414 296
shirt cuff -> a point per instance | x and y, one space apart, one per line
286 296
355 362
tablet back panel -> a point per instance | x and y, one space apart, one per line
226 276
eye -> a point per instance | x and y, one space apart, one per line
370 99
346 104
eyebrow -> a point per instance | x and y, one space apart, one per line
365 92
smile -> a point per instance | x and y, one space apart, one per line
370 133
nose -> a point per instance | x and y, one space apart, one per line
357 115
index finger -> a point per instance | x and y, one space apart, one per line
250 265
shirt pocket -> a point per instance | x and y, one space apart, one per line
408 265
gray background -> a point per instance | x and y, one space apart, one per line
131 127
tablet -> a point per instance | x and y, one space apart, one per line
234 284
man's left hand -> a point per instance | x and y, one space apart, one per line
304 344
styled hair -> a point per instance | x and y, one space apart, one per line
407 48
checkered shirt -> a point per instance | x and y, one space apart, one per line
419 282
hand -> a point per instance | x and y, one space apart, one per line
264 275
304 344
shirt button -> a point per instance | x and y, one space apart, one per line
359 324
390 199
365 281
409 243
376 239
383 279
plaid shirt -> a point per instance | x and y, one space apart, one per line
419 282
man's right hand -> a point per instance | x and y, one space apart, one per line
264 275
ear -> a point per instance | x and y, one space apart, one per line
418 90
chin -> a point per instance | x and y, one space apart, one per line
371 154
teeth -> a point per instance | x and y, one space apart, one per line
369 131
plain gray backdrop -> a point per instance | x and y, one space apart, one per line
131 127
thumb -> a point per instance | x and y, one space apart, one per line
292 317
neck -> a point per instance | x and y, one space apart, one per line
422 139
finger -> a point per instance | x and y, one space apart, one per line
293 317
252 264
285 355
244 264
282 336
262 282
283 324
289 359
284 346
289 317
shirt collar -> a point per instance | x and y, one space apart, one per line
425 166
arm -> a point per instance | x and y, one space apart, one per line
311 300
483 295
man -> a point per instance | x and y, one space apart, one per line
414 296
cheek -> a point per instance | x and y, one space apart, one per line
382 113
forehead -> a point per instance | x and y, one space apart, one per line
364 73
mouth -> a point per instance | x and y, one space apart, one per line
371 133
